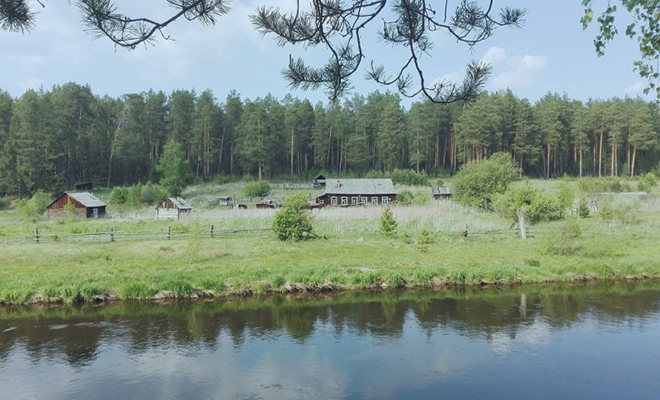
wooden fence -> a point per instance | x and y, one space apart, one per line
113 235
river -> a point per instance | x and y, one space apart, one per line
598 341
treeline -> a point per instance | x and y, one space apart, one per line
53 139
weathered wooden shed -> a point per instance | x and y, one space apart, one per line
353 192
442 193
319 182
172 208
85 203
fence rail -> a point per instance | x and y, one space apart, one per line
113 235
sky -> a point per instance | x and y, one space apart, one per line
551 53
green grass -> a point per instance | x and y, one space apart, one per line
353 255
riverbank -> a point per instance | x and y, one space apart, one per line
351 255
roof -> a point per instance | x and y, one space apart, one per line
178 202
442 191
319 178
85 198
359 186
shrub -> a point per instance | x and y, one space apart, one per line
4 203
647 183
624 212
566 194
118 195
583 208
538 205
374 174
595 185
152 194
564 242
293 221
388 224
409 177
405 197
423 241
134 194
477 183
257 189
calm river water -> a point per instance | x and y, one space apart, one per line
591 342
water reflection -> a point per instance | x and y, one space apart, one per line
351 345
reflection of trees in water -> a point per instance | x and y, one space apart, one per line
75 334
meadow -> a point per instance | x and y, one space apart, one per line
466 247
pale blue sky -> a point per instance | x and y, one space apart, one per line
551 53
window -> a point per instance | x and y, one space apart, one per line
344 201
333 200
354 200
364 200
385 199
374 200
321 201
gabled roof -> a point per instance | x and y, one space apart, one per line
179 203
85 198
442 191
319 178
359 186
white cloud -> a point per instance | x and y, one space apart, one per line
513 71
634 90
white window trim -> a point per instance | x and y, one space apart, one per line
374 200
333 200
386 199
344 200
354 200
364 199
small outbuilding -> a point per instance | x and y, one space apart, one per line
442 193
354 192
225 201
85 204
173 208
319 182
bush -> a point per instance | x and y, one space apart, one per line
538 205
583 208
566 194
257 189
624 212
477 183
118 195
4 203
405 197
409 177
647 183
424 241
596 185
152 194
388 224
564 242
293 221
134 194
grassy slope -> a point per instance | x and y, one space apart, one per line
354 255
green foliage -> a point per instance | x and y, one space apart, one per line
477 183
33 208
423 241
564 242
538 205
194 245
439 183
583 208
4 203
388 224
152 194
293 220
118 195
601 185
409 177
566 194
405 197
257 189
40 200
623 212
647 182
174 169
70 210
134 194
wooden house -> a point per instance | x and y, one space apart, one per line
442 193
172 208
319 182
353 192
86 205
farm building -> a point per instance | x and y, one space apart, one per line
319 182
172 208
352 192
442 193
86 205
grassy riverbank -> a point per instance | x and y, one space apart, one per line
351 255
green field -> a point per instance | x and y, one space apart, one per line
68 264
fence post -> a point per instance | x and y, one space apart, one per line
211 230
112 234
169 232
36 234
521 222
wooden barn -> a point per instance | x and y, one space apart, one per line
172 208
86 205
319 182
442 193
353 192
